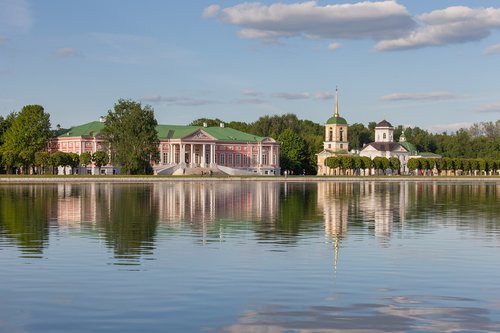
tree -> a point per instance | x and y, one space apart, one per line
293 151
366 164
394 164
42 160
130 130
57 159
28 134
381 163
85 159
413 164
359 135
100 158
73 161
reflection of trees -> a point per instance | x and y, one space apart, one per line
128 217
25 212
297 213
470 202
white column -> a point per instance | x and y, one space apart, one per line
272 161
212 154
182 157
203 162
259 158
193 156
162 161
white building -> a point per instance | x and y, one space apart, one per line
384 146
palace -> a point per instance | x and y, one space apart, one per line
185 150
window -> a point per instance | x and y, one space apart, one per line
222 159
341 146
238 160
264 159
384 136
254 159
330 135
229 159
245 160
165 158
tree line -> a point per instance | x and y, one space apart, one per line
303 139
132 141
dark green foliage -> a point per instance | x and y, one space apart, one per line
27 133
130 130
100 158
293 151
85 158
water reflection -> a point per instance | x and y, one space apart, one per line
127 216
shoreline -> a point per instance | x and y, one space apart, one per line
15 179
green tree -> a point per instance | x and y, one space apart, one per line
381 163
130 130
42 160
73 161
57 159
367 164
100 158
394 164
28 134
359 135
210 122
293 151
413 164
85 159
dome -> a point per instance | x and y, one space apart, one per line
384 123
336 121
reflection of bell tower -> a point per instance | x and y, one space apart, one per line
336 131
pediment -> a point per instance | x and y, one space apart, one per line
199 135
268 140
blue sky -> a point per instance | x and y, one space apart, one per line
432 64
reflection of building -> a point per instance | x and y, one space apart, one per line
334 200
79 203
210 201
186 149
384 204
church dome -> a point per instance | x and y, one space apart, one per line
336 121
384 123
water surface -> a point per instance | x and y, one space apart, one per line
250 257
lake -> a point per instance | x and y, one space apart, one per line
250 256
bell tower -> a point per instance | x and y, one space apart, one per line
336 139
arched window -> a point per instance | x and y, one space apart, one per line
341 134
384 137
330 135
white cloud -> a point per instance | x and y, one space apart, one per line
66 52
378 20
250 101
432 96
453 127
334 46
250 92
211 10
452 25
488 108
285 95
324 95
177 100
493 49
15 14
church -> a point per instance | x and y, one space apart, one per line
336 143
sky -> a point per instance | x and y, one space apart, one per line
431 64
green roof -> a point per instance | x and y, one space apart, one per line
337 121
409 146
89 129
170 132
